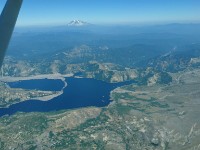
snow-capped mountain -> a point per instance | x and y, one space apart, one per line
77 23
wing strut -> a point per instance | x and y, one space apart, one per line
8 19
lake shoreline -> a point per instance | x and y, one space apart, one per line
42 76
9 79
81 92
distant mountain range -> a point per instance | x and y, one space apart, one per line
78 23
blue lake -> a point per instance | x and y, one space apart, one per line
39 84
80 92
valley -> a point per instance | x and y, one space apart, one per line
158 108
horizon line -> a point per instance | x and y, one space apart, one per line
108 24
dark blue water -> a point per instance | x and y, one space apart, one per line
80 92
39 84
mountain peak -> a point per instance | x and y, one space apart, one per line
77 23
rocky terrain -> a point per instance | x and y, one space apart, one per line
140 117
159 111
107 72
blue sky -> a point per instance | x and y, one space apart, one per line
54 12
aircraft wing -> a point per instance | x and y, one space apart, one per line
8 19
